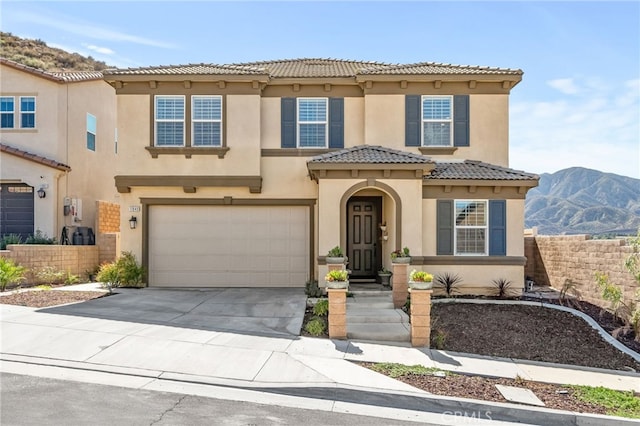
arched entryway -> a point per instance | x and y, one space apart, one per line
370 228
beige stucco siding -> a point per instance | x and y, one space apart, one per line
270 130
384 121
354 133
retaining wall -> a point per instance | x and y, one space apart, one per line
551 259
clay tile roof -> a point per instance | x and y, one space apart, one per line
58 76
476 170
190 69
33 157
314 67
426 68
371 154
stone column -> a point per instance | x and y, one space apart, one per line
420 317
335 266
400 285
337 313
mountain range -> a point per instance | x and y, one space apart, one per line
584 201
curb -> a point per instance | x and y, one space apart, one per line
376 401
606 336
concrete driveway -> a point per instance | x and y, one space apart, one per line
255 311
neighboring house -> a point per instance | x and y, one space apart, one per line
247 174
57 147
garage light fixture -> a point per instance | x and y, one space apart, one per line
133 222
41 193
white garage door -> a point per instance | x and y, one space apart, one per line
228 246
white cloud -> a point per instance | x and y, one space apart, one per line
98 49
597 129
564 85
88 29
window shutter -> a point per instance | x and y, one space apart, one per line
445 227
497 228
412 120
461 120
336 122
288 122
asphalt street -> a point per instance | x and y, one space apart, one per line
29 400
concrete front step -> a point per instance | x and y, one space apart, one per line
361 315
373 302
379 332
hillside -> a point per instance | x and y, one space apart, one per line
36 54
584 201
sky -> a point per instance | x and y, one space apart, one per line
578 104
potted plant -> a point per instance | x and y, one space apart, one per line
420 280
338 278
335 256
401 256
385 276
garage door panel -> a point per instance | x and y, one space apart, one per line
228 246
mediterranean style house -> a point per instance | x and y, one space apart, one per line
248 174
57 144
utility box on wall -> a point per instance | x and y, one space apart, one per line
76 209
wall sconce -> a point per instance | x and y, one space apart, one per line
133 222
41 193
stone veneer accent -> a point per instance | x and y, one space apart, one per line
337 313
420 317
553 259
400 284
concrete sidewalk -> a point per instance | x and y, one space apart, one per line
155 356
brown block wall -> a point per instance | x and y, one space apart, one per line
108 217
553 259
76 260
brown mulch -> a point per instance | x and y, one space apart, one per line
483 388
524 332
46 298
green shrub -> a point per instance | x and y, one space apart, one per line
40 238
335 252
448 282
321 308
130 272
10 273
71 279
50 275
316 326
312 289
10 239
502 287
124 272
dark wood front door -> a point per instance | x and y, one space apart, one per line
362 238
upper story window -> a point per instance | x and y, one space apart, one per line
206 120
470 227
437 121
312 122
27 112
7 112
20 114
437 118
169 121
92 127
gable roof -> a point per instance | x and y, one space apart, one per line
34 157
476 170
370 154
314 68
57 76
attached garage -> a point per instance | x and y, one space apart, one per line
228 246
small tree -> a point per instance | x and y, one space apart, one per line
10 273
627 310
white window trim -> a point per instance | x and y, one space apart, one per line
423 120
485 227
325 122
35 108
11 112
95 134
193 120
156 120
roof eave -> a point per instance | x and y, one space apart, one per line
526 183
